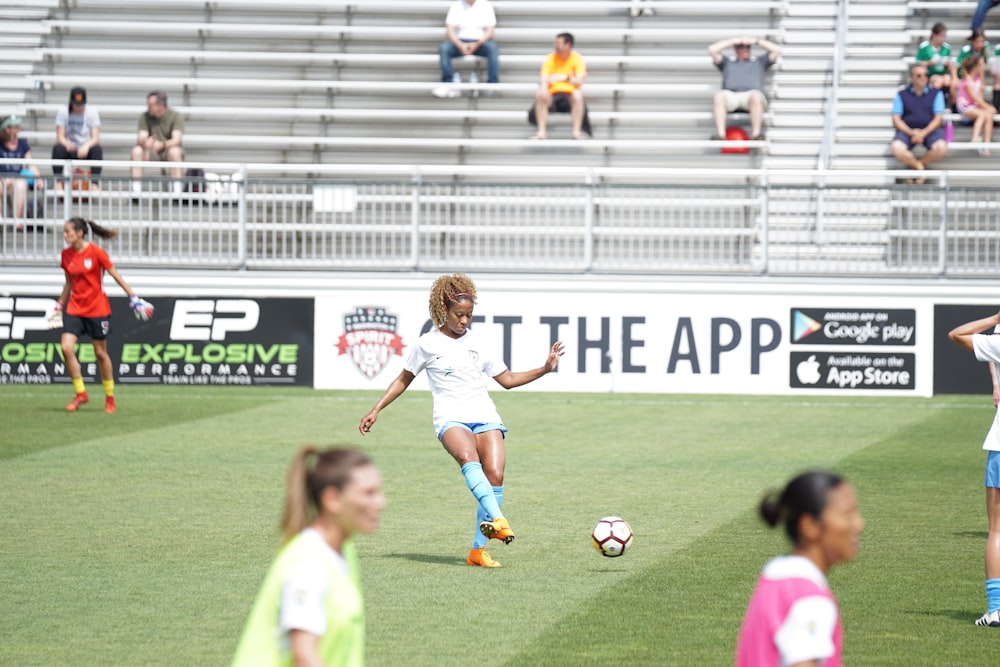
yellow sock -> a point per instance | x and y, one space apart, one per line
78 385
109 387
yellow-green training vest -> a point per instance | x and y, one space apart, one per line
264 645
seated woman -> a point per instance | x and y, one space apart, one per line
15 185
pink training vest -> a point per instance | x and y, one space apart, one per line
769 609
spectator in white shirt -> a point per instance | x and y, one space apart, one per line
469 26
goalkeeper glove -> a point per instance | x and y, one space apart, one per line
142 309
55 317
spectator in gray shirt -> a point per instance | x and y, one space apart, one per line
742 82
78 133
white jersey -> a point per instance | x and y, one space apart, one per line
471 21
987 348
457 372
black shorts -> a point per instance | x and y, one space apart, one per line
560 103
97 328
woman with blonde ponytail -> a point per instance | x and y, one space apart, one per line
309 610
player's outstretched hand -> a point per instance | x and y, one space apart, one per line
54 318
367 422
556 353
142 309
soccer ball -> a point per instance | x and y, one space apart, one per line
612 536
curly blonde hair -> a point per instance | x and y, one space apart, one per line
446 290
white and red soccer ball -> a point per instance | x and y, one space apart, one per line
612 536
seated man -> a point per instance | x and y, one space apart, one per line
742 82
78 134
562 75
469 27
917 115
159 138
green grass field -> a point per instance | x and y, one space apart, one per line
141 538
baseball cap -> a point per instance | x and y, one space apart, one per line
77 96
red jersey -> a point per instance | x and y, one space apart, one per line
85 270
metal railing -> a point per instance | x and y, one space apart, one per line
624 221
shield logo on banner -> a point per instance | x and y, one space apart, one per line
370 339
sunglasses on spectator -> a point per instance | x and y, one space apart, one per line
742 46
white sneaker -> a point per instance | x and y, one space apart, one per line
990 619
137 187
178 187
446 91
473 78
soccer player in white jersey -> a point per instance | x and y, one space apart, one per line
987 348
465 419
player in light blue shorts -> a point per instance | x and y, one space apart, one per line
458 365
987 348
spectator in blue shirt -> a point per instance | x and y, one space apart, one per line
15 178
918 115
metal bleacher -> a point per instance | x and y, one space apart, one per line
324 92
320 82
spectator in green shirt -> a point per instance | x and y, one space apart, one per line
935 53
977 45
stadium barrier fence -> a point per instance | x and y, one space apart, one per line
527 219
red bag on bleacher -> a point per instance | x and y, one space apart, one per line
735 134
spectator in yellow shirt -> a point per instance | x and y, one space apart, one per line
562 75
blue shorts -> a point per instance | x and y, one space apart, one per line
474 427
929 140
992 479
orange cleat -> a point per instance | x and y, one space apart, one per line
78 400
109 405
481 558
498 529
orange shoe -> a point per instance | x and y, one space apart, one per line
481 558
78 400
109 405
498 529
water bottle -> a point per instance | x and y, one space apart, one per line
949 131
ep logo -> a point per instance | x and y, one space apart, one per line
15 319
197 319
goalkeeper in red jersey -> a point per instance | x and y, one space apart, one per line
86 306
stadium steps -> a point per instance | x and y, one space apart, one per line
21 28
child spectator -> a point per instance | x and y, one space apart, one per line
971 105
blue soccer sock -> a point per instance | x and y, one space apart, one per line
475 478
992 594
480 540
